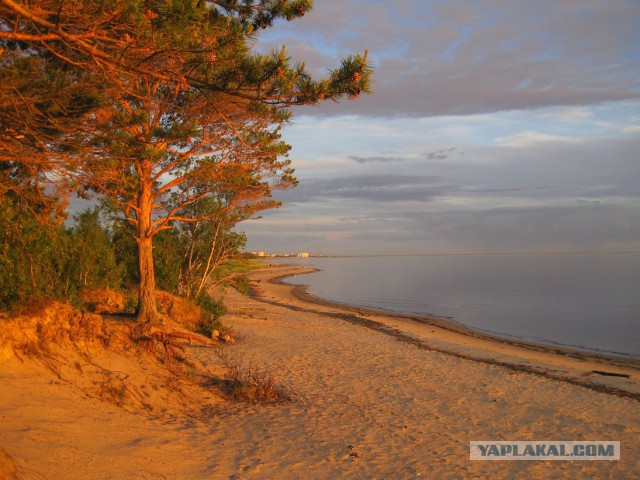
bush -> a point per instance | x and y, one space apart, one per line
211 306
35 258
40 258
130 303
241 284
168 259
212 310
94 257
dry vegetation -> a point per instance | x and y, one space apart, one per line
250 383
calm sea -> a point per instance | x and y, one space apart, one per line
584 301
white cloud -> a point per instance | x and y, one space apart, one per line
528 139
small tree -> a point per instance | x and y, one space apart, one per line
209 244
35 256
168 260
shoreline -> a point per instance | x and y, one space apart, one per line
616 375
300 291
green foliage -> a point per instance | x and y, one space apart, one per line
211 306
212 310
233 273
241 283
42 260
95 259
164 108
168 260
130 304
124 246
35 258
39 259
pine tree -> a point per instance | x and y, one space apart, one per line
187 113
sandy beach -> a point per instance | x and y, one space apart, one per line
374 396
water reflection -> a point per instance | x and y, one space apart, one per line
587 301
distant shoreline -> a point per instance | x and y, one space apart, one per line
554 361
480 254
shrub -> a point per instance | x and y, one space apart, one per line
250 384
211 306
35 258
94 257
241 284
131 303
212 310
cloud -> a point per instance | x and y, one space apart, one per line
494 126
368 187
549 196
587 227
441 154
527 139
358 159
435 57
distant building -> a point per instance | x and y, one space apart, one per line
261 254
303 255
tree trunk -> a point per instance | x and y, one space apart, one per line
206 273
147 310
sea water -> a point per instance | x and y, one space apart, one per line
584 301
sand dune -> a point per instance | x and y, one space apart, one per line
370 402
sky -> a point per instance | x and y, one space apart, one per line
495 126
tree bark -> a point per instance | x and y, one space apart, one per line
147 310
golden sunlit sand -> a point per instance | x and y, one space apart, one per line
374 396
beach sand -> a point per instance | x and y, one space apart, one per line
375 396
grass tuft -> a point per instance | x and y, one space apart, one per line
250 383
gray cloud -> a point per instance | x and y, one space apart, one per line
446 58
585 172
526 179
358 159
442 154
494 230
368 187
553 196
531 227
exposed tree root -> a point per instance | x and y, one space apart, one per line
152 336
